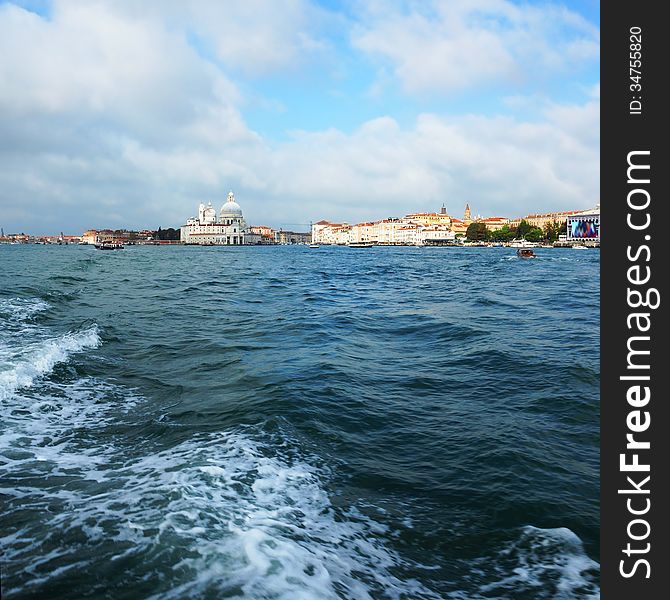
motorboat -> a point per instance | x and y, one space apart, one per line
109 246
314 246
525 253
360 245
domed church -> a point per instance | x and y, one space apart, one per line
229 229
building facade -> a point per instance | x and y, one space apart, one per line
208 229
415 229
584 226
292 237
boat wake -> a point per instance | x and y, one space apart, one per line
92 483
25 351
537 563
237 513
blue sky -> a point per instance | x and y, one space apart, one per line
126 114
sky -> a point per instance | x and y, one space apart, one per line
126 114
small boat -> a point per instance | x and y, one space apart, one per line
579 247
522 244
109 246
525 253
314 246
359 245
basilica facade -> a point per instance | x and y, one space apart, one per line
208 229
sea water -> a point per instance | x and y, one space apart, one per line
297 423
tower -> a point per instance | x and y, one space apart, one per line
467 216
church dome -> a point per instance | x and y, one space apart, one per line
230 209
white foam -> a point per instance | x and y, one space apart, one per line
247 515
546 559
271 530
21 309
39 358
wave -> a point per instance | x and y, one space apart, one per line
547 563
241 513
37 358
268 518
21 309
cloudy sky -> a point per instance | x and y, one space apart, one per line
127 114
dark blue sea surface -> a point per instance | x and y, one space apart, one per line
296 423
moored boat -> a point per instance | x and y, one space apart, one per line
523 243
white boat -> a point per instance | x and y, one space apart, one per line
579 247
522 244
359 245
314 246
109 246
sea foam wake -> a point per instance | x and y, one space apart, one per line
542 563
238 513
26 351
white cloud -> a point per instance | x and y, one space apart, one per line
255 37
450 45
499 165
110 117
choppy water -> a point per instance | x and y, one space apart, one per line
284 422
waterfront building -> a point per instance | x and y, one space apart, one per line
90 236
253 239
341 235
494 223
229 228
107 235
419 235
542 220
261 234
322 230
325 232
458 226
262 230
363 233
407 234
435 235
292 237
438 218
413 229
431 228
584 226
386 231
15 238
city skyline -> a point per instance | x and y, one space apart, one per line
121 115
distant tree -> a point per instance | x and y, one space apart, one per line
534 234
504 234
477 232
523 228
552 231
167 234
